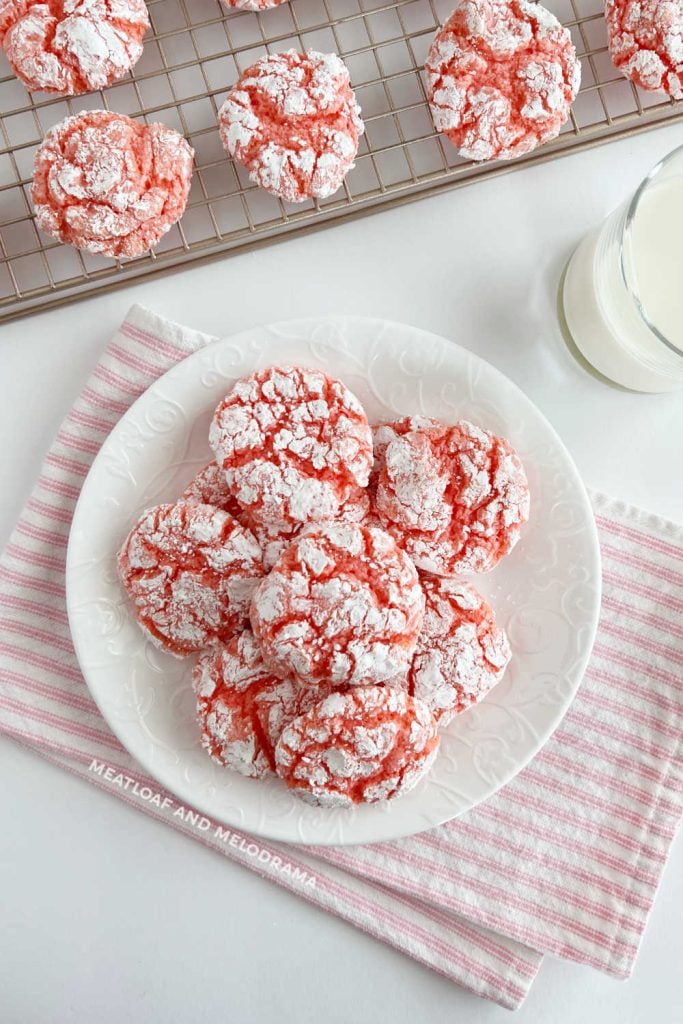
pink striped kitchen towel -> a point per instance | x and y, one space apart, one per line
566 859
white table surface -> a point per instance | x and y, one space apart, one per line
108 916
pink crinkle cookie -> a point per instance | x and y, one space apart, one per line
191 571
293 121
461 652
501 77
72 46
294 445
455 498
242 707
370 744
109 185
646 42
342 607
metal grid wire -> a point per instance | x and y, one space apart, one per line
195 52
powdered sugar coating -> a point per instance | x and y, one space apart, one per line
109 185
356 508
242 707
191 571
343 606
293 121
461 652
72 46
646 42
366 745
209 487
275 538
384 433
294 445
454 497
501 77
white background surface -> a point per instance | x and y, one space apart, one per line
106 915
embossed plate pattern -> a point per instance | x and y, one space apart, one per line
546 593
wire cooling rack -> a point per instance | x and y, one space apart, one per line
195 51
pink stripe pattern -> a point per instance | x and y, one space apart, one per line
565 859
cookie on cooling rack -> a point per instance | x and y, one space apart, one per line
501 78
109 185
293 121
646 42
72 46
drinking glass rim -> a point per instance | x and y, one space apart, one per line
626 270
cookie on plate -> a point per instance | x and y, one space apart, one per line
501 78
242 707
108 185
293 121
461 651
369 744
455 498
72 46
343 606
294 444
191 571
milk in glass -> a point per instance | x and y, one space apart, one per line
623 291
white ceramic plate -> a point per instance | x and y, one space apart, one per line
546 593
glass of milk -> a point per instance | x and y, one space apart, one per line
623 289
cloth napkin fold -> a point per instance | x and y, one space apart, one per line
565 859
